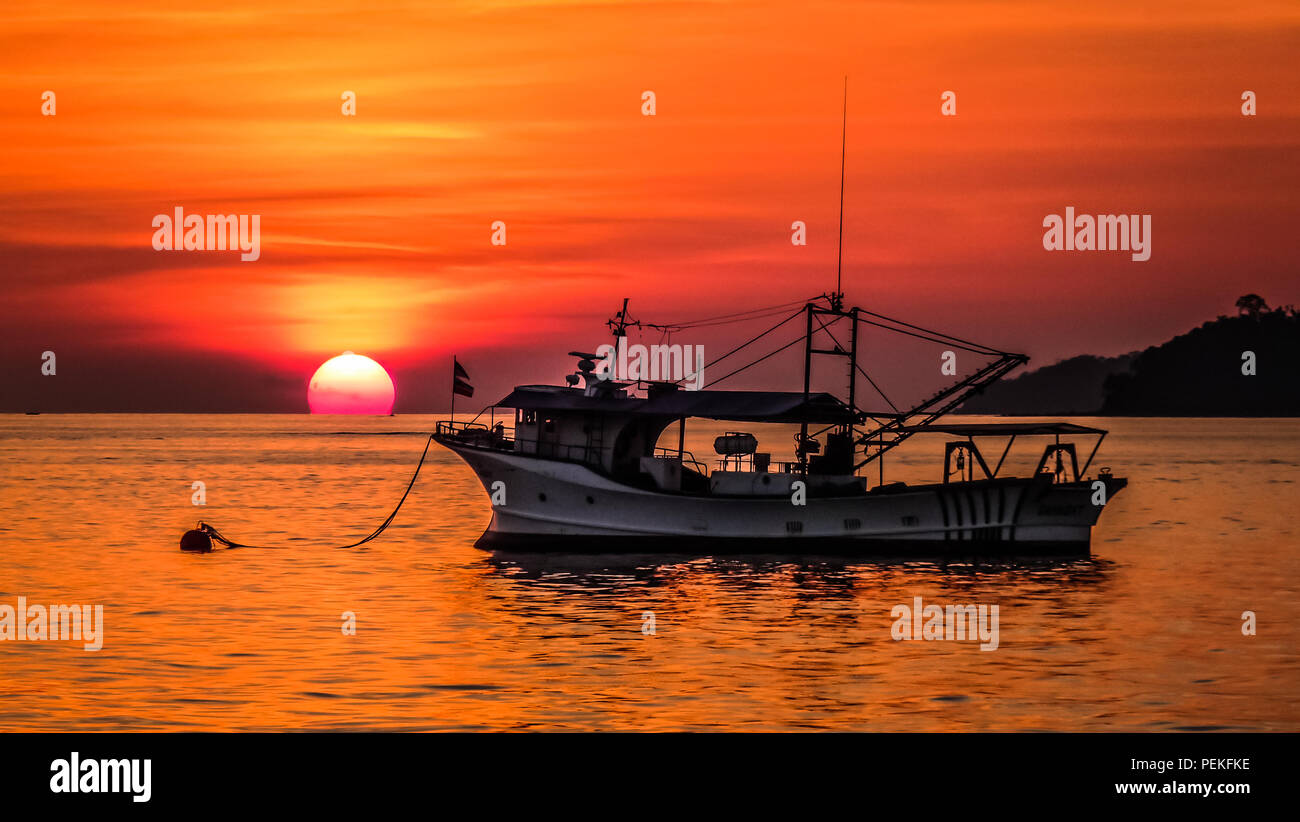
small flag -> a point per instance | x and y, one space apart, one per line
460 380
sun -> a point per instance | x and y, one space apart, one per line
351 384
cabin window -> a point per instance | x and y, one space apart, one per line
794 527
852 524
528 417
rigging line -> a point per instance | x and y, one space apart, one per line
950 341
798 339
764 316
780 307
827 328
751 342
772 313
750 315
861 370
939 338
738 314
878 389
935 333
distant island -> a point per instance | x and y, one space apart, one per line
1247 365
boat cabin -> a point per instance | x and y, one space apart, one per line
618 435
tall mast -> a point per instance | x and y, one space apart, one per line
620 328
838 298
836 311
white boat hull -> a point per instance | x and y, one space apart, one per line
544 504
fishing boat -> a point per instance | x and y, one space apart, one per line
580 469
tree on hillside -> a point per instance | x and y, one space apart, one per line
1251 305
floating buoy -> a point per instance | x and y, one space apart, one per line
196 541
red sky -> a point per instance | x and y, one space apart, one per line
376 228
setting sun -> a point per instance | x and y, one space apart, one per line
351 384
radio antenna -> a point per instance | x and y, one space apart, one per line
839 254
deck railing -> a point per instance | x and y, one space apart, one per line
477 434
687 458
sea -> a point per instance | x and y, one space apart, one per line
1184 618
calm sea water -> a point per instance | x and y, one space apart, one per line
1144 635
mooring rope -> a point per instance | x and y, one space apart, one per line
230 543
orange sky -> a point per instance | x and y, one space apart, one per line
375 228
